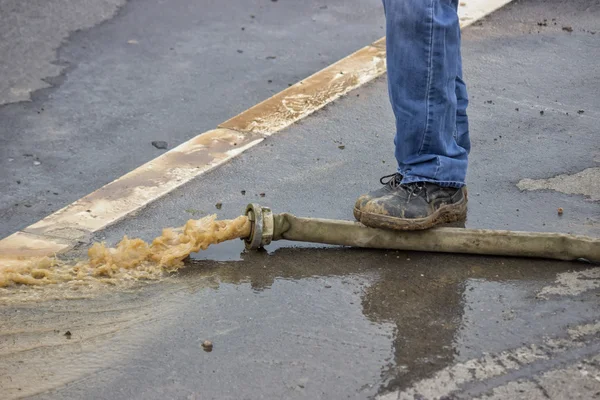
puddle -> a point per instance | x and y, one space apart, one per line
295 322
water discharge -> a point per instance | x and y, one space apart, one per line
131 259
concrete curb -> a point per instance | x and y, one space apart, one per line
75 223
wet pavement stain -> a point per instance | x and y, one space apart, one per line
298 322
586 182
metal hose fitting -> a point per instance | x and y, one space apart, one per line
261 232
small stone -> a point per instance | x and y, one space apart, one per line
542 112
36 163
262 195
560 211
160 144
271 57
342 147
327 286
517 109
243 28
243 192
219 205
580 112
18 182
207 346
270 81
240 51
567 29
68 334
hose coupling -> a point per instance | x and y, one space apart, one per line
261 232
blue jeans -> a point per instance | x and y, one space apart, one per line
428 95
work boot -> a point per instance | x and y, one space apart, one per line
391 183
414 206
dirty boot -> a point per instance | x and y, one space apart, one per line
414 206
390 185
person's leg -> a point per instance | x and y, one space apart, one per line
423 54
431 142
462 102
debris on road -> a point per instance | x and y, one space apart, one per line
560 211
160 144
219 205
207 346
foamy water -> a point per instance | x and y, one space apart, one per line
131 259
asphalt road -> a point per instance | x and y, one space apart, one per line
156 70
303 321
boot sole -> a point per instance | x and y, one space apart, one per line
445 214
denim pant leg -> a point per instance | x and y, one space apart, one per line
462 102
425 89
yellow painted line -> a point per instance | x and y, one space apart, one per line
75 223
20 246
143 185
312 93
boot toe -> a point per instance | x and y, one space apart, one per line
359 205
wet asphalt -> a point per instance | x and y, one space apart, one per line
308 321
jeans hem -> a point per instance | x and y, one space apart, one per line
413 179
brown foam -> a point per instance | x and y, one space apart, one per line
130 259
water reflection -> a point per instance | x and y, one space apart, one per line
422 295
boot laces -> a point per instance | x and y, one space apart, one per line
393 180
416 189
